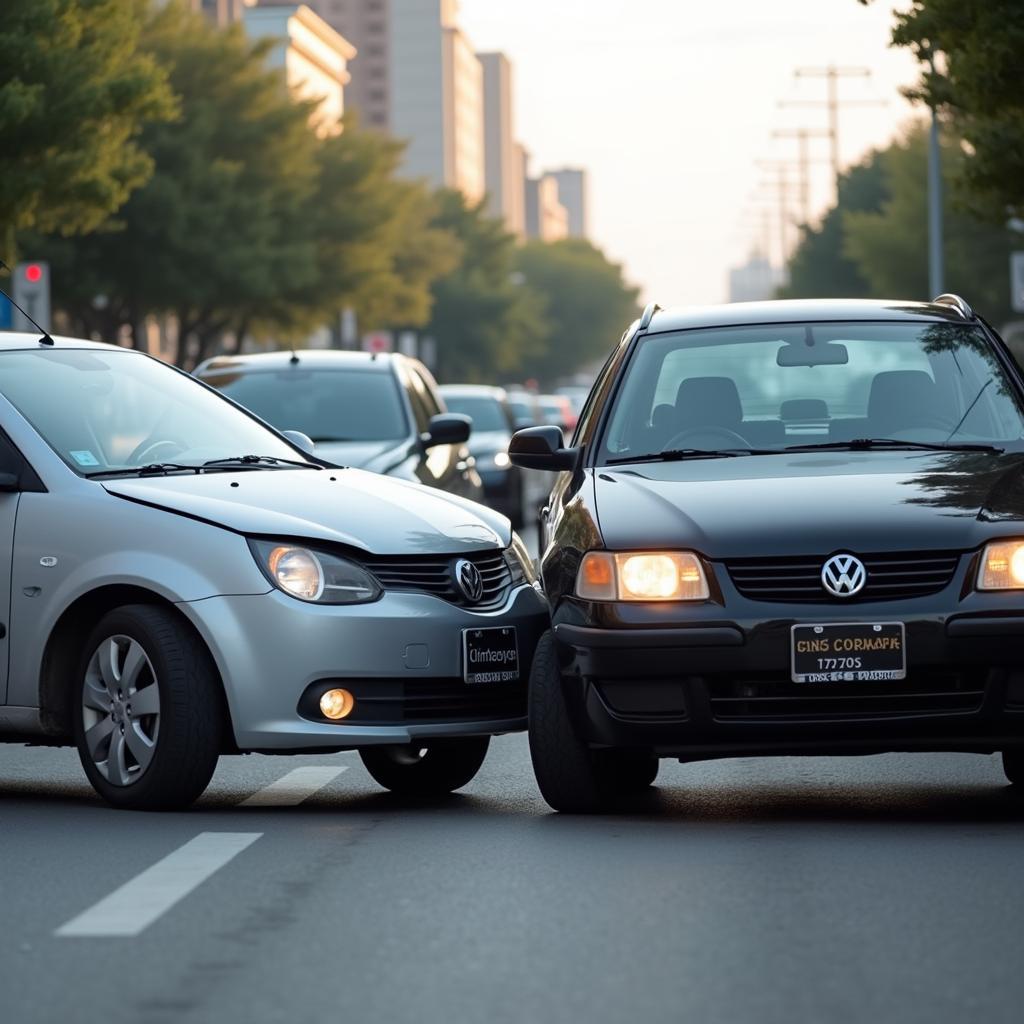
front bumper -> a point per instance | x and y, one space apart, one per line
404 649
717 686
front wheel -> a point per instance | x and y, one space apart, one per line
430 769
148 711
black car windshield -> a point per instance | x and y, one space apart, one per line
486 413
111 409
767 389
327 405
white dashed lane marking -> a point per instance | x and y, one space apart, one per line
291 789
137 904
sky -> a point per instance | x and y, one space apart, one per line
671 104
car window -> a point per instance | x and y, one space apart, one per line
110 409
487 414
327 405
768 387
423 402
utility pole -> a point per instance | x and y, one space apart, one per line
782 186
803 137
832 74
936 261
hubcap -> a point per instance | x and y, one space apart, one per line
120 710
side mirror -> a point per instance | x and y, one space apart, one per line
541 448
300 440
448 428
9 483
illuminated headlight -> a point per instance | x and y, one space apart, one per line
1002 566
315 576
501 460
520 562
641 576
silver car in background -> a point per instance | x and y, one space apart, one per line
178 581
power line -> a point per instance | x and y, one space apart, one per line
803 137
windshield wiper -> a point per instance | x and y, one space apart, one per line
150 469
867 443
258 461
678 454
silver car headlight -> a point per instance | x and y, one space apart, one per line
315 576
519 561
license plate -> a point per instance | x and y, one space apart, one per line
490 655
849 652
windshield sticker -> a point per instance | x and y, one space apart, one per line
85 458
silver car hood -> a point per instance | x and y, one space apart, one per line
347 506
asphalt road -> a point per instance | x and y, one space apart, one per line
855 889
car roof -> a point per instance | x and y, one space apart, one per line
20 340
781 311
305 359
473 390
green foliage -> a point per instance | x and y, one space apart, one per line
484 321
587 303
982 42
889 245
74 93
820 267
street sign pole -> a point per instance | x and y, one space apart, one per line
1017 281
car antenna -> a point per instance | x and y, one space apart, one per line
294 360
45 339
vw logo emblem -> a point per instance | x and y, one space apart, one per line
844 575
469 580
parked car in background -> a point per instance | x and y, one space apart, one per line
381 413
178 581
577 395
556 411
493 425
525 408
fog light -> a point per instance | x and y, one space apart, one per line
335 704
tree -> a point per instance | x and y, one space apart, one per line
820 267
484 321
981 42
889 245
587 303
75 90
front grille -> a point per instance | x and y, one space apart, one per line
925 692
890 576
435 575
397 701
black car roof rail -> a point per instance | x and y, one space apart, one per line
648 315
959 304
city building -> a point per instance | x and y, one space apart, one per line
417 78
572 194
546 218
223 12
504 174
754 281
313 56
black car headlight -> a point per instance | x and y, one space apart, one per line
1002 566
315 576
519 561
641 576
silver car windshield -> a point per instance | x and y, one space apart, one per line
116 410
731 389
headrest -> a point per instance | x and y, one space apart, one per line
804 409
902 396
708 401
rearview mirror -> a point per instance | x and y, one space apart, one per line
541 448
802 354
448 428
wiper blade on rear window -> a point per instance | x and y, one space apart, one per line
258 461
150 469
678 454
868 443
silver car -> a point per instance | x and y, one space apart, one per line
178 581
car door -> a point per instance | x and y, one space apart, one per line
12 463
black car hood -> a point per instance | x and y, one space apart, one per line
812 503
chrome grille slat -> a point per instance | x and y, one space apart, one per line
432 575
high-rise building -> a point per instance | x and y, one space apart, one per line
572 194
755 280
503 162
418 78
546 218
311 54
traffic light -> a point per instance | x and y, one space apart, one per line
31 291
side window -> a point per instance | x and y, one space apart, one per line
598 393
12 461
428 390
418 398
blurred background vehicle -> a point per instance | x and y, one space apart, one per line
382 413
577 395
493 425
557 411
525 408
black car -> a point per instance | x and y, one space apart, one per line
381 413
783 528
493 425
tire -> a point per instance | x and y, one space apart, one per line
1013 766
568 772
167 756
428 769
627 772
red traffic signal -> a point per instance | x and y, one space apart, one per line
33 273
